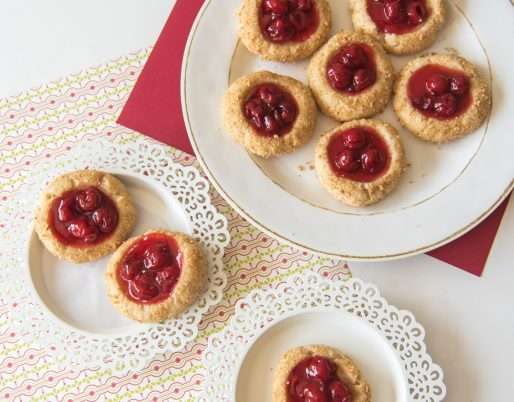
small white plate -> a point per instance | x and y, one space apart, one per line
57 282
447 189
387 344
354 337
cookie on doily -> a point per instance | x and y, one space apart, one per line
318 373
84 215
156 275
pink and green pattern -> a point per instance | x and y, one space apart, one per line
46 122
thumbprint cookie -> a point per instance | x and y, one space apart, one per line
269 114
360 162
441 97
351 77
284 30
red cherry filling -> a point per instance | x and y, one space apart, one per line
270 110
315 379
397 16
439 92
83 217
358 154
150 269
288 20
352 69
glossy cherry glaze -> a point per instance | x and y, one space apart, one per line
439 92
271 110
397 16
358 154
288 20
83 217
352 69
315 379
149 270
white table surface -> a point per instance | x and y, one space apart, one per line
469 321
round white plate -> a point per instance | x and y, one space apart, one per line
387 344
65 305
56 281
376 359
447 190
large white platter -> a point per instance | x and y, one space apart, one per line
448 189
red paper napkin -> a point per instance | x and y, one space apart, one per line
154 109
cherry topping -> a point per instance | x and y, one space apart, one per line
416 12
394 11
315 379
271 110
105 218
353 57
339 76
82 217
363 79
352 69
459 85
83 230
279 7
348 161
439 92
445 105
372 160
437 84
288 20
89 199
66 209
150 269
319 368
339 392
397 16
358 154
156 256
354 138
143 287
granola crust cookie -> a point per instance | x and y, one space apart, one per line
342 106
433 129
355 193
242 131
415 41
347 371
253 39
191 283
110 186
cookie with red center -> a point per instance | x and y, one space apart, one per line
284 30
351 77
269 114
360 162
84 215
318 373
402 26
441 97
156 276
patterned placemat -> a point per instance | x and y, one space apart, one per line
43 123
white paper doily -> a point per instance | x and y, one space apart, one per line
133 350
262 309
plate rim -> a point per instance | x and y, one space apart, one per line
387 257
